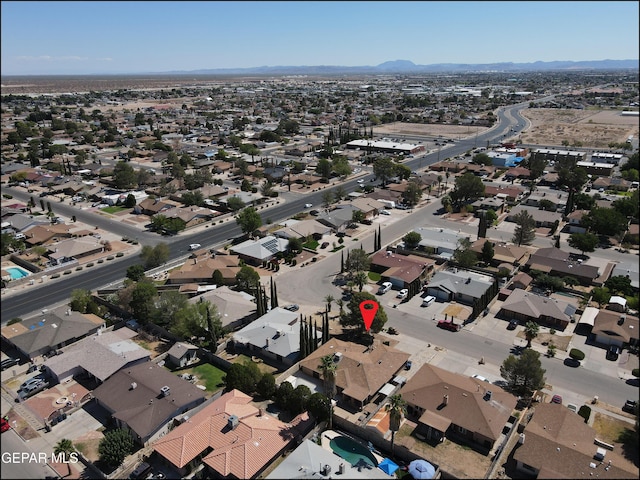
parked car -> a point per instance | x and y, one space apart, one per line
403 293
630 406
292 308
556 399
324 245
385 287
612 353
9 362
308 205
447 325
4 425
513 323
407 366
141 471
428 300
194 246
385 212
480 377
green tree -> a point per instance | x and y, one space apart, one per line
80 299
115 446
340 165
468 188
243 377
319 407
412 239
601 295
154 256
327 198
267 188
358 216
627 206
124 176
525 230
357 261
266 386
339 193
584 201
329 299
143 300
194 197
531 330
135 272
298 400
130 201
487 252
66 448
605 221
323 168
524 374
249 220
247 279
294 245
619 285
464 255
412 194
167 308
383 169
585 242
354 318
235 203
397 409
284 394
482 159
360 279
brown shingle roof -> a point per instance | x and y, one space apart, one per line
467 405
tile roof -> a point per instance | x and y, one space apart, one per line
241 452
537 306
467 405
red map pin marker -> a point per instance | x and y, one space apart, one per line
368 309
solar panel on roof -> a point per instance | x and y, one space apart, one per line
271 245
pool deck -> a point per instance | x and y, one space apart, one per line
329 435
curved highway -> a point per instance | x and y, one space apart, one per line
27 303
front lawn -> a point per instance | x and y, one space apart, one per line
114 209
311 244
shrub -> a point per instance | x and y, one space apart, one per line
585 412
576 354
635 372
101 260
55 275
90 264
110 257
67 272
78 269
14 320
119 254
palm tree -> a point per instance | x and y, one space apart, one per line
397 408
531 330
328 300
65 446
328 368
340 304
439 184
360 279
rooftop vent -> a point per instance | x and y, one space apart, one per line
445 400
488 394
165 391
232 422
337 357
622 319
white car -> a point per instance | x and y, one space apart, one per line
385 212
194 246
360 180
428 300
385 287
308 205
480 377
403 293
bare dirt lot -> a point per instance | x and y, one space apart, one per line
588 128
446 131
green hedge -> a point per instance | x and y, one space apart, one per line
585 412
576 354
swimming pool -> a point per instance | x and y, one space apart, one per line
352 451
17 272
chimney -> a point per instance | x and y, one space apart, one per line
445 400
261 412
232 422
266 342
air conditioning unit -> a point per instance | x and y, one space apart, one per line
165 391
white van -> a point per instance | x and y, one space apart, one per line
428 300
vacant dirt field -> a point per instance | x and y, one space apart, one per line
590 128
446 131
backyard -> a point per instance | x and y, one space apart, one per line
208 375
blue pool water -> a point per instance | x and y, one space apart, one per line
352 451
17 272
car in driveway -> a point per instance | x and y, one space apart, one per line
428 300
292 307
480 377
556 399
403 293
324 245
9 362
385 287
612 353
32 381
513 323
4 425
385 212
448 325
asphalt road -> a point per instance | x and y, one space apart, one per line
27 467
24 304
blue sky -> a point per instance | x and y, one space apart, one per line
92 37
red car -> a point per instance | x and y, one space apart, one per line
447 325
4 425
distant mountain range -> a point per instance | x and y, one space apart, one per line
407 66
